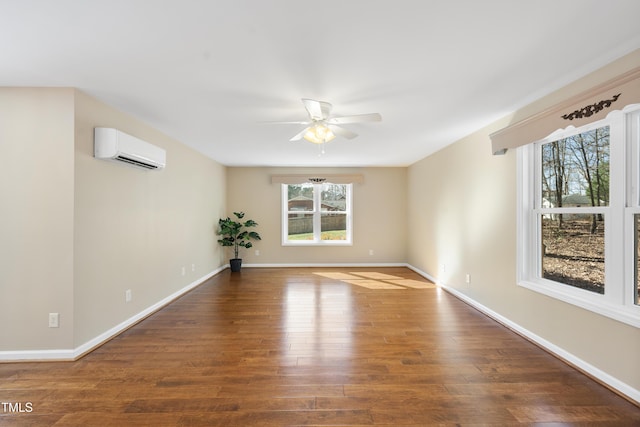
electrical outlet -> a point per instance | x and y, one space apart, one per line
257 252
184 271
193 267
371 252
443 268
54 320
468 278
127 295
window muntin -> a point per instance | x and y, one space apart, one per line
606 221
316 214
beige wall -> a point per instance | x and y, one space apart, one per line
77 232
136 229
379 209
36 226
462 213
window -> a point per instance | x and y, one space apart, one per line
579 216
316 214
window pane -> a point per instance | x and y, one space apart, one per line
300 197
333 226
636 298
300 227
575 170
573 250
334 197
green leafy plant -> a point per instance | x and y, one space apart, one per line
234 233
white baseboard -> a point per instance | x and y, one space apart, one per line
73 354
423 274
36 355
330 265
612 382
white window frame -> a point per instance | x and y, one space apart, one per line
632 206
624 201
317 218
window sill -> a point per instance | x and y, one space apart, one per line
595 303
316 244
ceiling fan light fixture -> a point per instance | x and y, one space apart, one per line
319 133
323 127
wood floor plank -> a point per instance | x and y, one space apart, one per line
312 346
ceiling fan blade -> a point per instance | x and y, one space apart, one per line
358 118
342 131
306 122
299 136
318 110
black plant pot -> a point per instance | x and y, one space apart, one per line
236 263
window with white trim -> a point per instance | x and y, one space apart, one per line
316 214
579 216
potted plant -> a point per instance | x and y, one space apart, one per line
234 233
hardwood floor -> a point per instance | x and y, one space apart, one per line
280 347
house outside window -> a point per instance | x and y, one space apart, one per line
579 216
316 214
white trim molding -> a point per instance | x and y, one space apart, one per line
328 265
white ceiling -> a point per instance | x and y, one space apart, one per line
209 73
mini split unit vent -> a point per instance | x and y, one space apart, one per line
114 145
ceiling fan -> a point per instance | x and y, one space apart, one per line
323 127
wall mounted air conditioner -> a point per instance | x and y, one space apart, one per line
114 145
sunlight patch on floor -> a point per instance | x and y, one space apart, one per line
377 276
337 276
375 280
373 284
411 283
